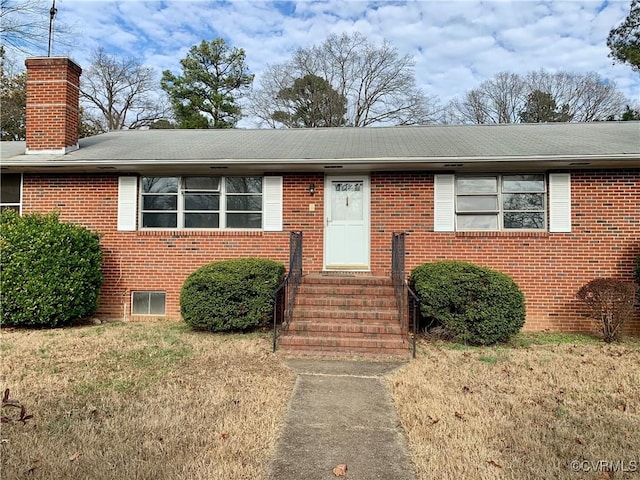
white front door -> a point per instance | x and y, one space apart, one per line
346 233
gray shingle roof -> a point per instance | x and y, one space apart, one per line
402 145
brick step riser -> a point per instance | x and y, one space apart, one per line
354 291
341 343
354 326
345 326
353 280
347 302
302 313
368 352
294 330
401 355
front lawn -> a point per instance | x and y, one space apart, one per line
555 406
141 400
157 401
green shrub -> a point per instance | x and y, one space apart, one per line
231 294
50 270
610 304
471 304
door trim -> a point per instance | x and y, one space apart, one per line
366 184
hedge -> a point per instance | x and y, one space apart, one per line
50 271
472 304
231 295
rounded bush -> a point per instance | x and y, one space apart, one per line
50 270
472 304
231 294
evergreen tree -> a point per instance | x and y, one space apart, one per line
541 108
214 76
311 102
624 40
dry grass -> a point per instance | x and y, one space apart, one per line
522 412
141 401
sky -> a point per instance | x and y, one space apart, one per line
455 44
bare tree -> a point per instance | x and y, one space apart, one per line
123 91
588 95
498 100
585 97
13 98
377 82
24 25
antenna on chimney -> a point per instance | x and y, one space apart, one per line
52 14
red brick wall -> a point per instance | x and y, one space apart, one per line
52 103
152 260
548 267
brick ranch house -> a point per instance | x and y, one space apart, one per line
551 205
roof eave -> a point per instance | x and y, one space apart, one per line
29 164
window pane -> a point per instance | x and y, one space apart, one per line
245 202
523 201
201 220
347 201
477 185
201 202
533 220
156 303
244 220
160 185
10 207
160 220
202 183
244 184
477 222
523 183
159 202
10 188
478 203
140 303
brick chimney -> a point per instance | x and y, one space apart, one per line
53 101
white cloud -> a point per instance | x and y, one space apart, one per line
456 44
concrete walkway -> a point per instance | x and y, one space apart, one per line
341 412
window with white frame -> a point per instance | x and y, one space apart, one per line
198 202
148 303
500 202
11 191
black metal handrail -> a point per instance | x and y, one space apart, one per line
285 294
406 298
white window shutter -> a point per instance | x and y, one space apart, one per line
559 202
272 204
127 203
443 203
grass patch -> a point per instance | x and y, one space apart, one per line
508 412
546 338
141 400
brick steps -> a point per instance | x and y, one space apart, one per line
345 316
342 345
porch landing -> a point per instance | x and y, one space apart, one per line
345 314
